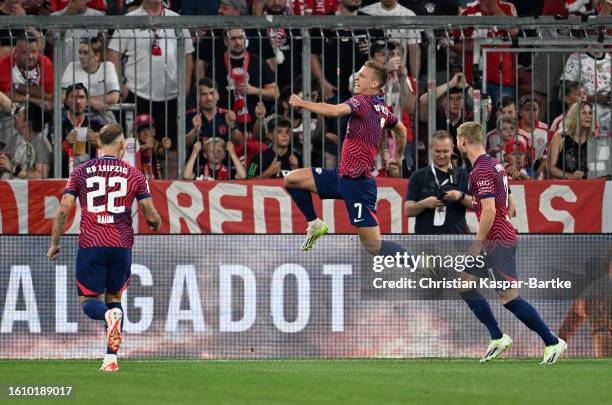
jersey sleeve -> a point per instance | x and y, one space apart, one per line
357 105
72 186
392 120
485 185
142 186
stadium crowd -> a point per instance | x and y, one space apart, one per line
549 115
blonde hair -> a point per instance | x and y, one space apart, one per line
214 142
571 123
110 133
471 131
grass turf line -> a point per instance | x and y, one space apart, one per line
322 381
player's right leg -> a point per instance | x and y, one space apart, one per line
301 183
118 277
91 280
480 307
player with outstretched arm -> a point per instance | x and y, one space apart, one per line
496 240
353 181
106 188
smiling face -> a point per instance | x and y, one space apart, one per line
366 81
441 152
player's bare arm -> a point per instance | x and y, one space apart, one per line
486 223
58 224
323 109
150 213
399 133
511 206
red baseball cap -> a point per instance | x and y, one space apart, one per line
144 120
511 147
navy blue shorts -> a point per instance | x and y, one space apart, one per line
500 264
359 195
102 270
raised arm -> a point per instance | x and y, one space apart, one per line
323 109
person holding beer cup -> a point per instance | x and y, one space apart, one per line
80 129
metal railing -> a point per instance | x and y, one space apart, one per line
439 34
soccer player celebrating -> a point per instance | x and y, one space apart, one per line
106 188
496 239
353 182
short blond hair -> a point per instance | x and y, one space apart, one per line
110 133
214 141
471 131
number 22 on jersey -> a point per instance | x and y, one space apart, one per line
100 187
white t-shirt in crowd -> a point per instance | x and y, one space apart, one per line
72 38
98 83
150 77
412 36
594 75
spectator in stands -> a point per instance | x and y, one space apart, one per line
99 5
504 132
302 7
568 149
506 107
499 80
516 161
212 167
411 37
149 64
80 130
242 78
570 92
211 121
27 75
334 73
432 7
437 194
531 128
273 161
72 38
211 43
97 75
5 104
284 42
199 7
450 113
592 70
37 7
8 8
33 157
151 152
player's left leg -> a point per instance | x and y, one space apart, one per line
503 266
478 304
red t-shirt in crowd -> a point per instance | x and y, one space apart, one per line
494 59
57 5
43 73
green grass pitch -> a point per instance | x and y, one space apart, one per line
322 381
